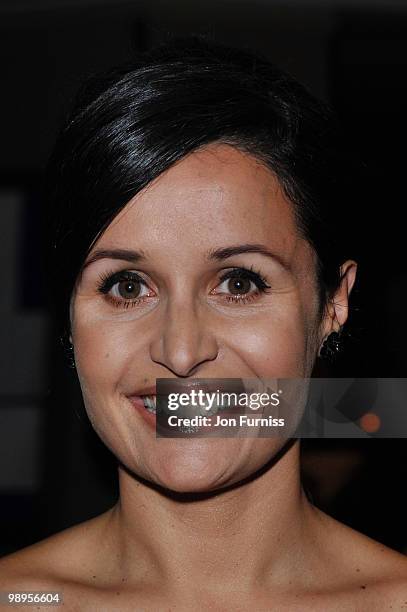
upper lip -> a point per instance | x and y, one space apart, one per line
145 391
184 386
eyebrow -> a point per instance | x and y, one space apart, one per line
213 255
226 252
122 254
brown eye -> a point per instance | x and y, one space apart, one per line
126 286
239 285
128 289
125 289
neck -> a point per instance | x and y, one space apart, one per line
238 536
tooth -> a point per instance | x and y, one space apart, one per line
150 402
189 429
206 411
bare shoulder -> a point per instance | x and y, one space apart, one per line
364 566
389 593
65 560
390 567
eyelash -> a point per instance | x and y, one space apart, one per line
109 279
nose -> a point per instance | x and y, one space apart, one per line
183 340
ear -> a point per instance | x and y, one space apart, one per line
337 309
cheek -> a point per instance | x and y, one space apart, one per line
102 350
274 345
100 363
99 360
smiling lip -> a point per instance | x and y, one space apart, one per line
184 386
138 403
146 391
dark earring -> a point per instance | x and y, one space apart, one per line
331 346
69 351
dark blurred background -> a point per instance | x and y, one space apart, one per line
54 472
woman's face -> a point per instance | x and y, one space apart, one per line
181 320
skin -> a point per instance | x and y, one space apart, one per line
205 524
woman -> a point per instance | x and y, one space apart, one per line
192 192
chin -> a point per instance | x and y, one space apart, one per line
206 465
195 466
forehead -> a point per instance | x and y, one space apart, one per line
212 197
